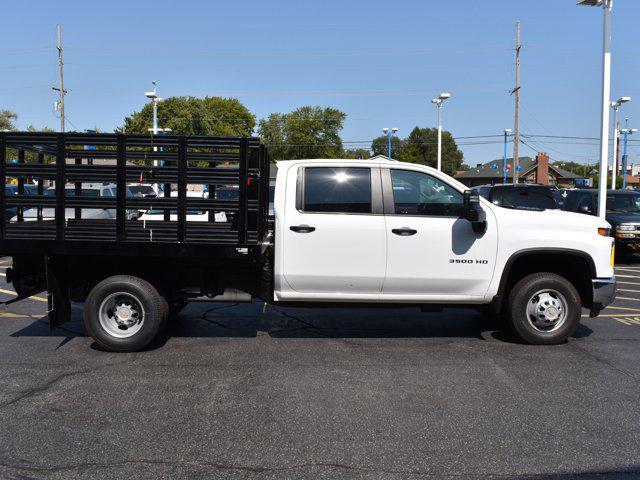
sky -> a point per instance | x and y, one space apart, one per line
379 62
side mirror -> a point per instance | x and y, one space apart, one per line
472 211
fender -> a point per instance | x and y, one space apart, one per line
535 251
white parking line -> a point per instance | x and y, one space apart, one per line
628 298
628 290
624 308
621 320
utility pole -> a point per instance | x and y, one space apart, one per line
60 89
516 129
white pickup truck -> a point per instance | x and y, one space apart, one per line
346 232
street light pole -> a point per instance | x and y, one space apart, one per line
507 131
614 170
439 101
155 130
389 133
626 132
607 6
615 145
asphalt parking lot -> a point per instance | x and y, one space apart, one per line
248 391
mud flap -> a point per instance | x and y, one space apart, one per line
58 302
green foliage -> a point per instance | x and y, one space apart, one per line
380 146
195 116
421 146
356 154
308 132
33 128
7 117
574 167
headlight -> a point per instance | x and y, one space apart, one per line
625 228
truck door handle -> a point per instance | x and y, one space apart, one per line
404 231
302 228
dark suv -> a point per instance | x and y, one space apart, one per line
522 196
623 212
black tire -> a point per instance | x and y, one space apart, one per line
144 297
523 297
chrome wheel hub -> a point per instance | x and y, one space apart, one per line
547 310
121 315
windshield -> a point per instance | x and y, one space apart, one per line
623 203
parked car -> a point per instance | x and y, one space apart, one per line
193 215
623 212
12 189
144 189
521 196
88 190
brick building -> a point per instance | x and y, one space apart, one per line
533 170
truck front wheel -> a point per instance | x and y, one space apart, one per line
124 313
544 309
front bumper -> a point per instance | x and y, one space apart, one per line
604 293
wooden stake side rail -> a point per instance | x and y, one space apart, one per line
68 162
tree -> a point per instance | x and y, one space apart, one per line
195 116
574 167
356 154
380 146
33 128
7 117
421 146
308 132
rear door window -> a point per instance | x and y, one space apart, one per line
337 190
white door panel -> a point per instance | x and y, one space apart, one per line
432 252
445 257
345 253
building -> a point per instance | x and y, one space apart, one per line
536 170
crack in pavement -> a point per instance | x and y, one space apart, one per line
33 391
598 359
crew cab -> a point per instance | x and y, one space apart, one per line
346 232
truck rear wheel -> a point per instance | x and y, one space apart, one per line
124 313
544 309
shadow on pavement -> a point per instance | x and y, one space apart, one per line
202 320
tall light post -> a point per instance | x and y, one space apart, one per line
507 131
614 170
389 133
439 101
607 6
626 131
153 95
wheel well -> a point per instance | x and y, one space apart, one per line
576 267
